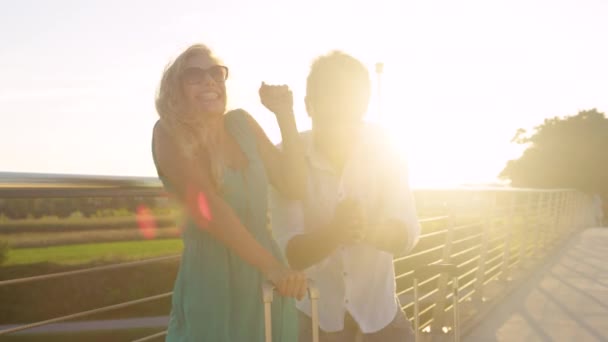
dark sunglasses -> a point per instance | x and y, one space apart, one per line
194 75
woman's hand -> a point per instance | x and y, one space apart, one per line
289 283
277 98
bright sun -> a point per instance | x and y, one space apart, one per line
439 154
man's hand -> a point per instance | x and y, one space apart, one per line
349 222
278 99
389 236
351 225
345 228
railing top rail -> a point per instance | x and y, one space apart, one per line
29 180
40 185
488 189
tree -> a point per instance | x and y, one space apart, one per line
565 152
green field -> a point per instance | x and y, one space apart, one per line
94 252
52 223
56 238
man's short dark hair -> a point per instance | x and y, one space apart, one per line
338 76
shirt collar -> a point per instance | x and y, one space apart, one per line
318 161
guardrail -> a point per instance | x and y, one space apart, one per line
512 233
490 233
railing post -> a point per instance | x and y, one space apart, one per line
571 213
555 221
565 216
546 218
580 214
551 221
577 211
442 283
527 235
538 226
577 207
481 264
506 252
560 219
565 222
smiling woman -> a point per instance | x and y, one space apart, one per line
219 166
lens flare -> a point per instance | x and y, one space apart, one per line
203 207
146 222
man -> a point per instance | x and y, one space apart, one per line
357 215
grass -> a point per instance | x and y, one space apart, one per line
94 252
55 238
49 224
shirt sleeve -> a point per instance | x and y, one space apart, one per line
398 199
287 218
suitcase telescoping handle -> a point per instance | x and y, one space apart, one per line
428 271
268 294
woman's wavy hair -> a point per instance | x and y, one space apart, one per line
192 133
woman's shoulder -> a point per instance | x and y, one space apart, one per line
160 134
244 122
239 114
159 128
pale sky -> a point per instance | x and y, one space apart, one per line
78 78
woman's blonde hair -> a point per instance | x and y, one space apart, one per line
193 133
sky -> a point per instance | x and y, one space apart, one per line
78 78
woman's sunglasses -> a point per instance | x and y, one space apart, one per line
195 75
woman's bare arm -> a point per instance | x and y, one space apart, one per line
286 167
194 189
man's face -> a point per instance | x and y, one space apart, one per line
335 123
337 107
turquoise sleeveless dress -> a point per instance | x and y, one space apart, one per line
217 295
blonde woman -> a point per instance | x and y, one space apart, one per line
219 165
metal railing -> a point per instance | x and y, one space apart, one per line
516 230
488 233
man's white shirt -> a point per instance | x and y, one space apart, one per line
358 279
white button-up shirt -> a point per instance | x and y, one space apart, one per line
358 279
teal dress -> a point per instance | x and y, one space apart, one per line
217 295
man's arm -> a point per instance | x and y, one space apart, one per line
398 229
308 249
391 237
305 248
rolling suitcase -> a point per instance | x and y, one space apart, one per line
427 272
313 294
